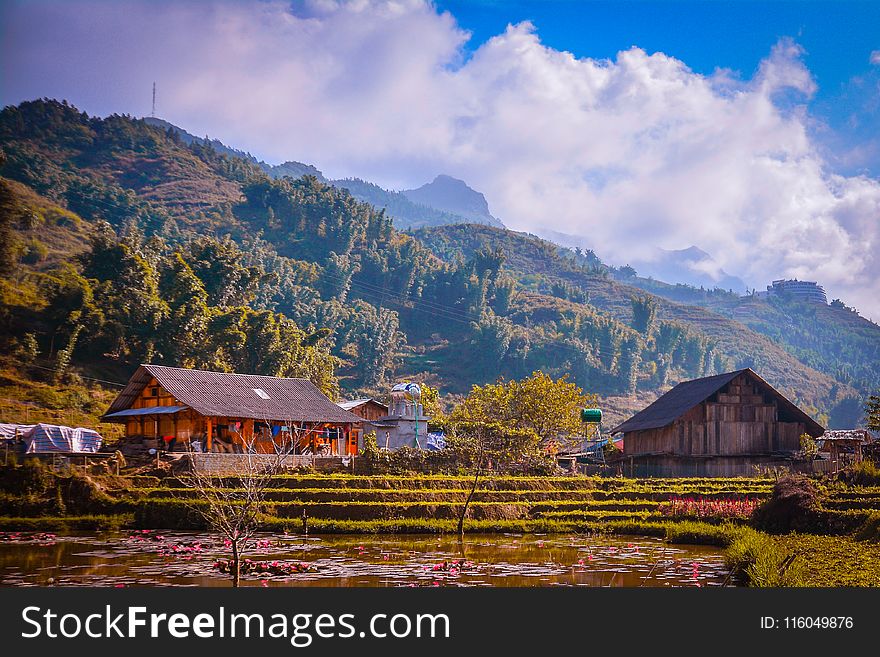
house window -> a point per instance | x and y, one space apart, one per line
154 392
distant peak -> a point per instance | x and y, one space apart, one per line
453 195
444 178
694 252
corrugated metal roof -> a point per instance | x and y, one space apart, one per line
151 410
687 394
354 403
235 395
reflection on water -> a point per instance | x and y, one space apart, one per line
187 559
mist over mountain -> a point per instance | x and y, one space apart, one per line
691 266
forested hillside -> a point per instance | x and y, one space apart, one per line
125 244
833 338
667 330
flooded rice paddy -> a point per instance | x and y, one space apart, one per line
149 558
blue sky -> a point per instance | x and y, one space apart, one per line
747 129
838 39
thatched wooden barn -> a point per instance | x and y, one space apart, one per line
228 412
721 425
844 445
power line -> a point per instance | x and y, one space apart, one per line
88 378
446 312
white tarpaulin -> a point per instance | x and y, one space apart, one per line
9 431
436 441
53 438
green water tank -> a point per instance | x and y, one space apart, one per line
591 415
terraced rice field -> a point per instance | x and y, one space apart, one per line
432 504
371 504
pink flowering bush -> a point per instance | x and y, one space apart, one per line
732 509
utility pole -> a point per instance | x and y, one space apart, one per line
154 101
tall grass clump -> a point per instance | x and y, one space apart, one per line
689 532
758 561
863 473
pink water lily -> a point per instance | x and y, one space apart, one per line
269 568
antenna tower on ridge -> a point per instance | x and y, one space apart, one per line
154 101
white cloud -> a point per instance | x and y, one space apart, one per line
875 57
636 153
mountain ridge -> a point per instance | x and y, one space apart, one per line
407 212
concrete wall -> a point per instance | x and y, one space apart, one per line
402 434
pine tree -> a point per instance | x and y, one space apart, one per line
644 310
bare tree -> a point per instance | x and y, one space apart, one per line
232 509
492 443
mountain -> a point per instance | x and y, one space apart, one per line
405 212
124 242
454 196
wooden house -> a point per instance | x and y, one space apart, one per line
368 409
229 412
720 425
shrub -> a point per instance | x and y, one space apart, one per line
863 473
30 479
870 529
809 447
793 506
33 252
48 398
456 458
